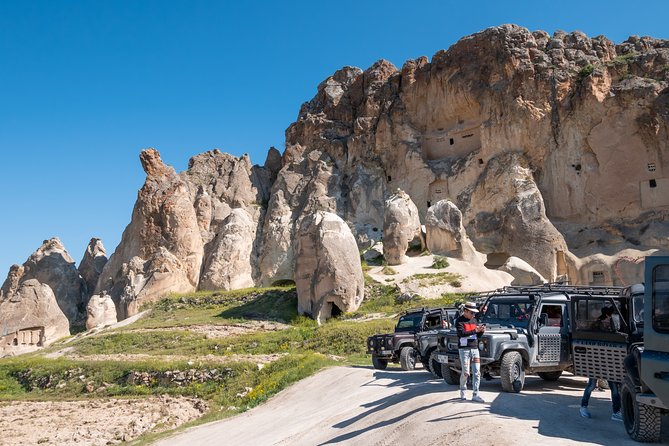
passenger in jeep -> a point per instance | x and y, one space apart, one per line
469 333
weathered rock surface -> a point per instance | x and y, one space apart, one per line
100 311
445 234
228 266
522 272
51 265
328 274
552 147
30 318
92 263
401 226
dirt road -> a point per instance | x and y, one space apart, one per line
362 406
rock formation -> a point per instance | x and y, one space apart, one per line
92 263
100 311
552 147
51 265
522 272
328 274
401 226
30 318
445 234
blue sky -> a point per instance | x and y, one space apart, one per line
85 85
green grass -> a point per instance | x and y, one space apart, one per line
427 280
305 348
388 271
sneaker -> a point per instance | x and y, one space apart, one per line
585 413
617 416
478 399
462 395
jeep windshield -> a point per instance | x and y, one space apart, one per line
409 322
508 313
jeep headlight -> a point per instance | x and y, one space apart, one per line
371 342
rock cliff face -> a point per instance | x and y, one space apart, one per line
552 148
523 131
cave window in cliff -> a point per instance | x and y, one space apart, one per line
652 183
496 259
15 341
598 278
480 161
452 141
429 204
651 167
389 179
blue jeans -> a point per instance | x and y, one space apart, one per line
470 357
615 393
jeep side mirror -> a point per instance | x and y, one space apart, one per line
543 320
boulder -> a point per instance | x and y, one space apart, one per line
52 265
328 274
92 263
30 318
100 311
228 267
401 226
445 234
522 272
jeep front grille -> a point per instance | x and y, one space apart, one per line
596 359
549 347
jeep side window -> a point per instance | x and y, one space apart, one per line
433 321
553 315
661 298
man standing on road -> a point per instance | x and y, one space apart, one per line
469 333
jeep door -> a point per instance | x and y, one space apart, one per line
598 348
552 334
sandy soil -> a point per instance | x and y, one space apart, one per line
474 278
95 422
363 406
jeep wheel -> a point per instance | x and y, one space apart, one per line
512 372
642 422
435 366
378 363
550 376
407 358
451 376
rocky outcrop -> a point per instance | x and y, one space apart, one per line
328 274
100 311
92 263
522 272
229 267
445 234
30 318
401 227
51 265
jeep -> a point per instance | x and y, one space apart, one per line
527 332
645 381
400 346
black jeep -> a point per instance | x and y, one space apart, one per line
401 345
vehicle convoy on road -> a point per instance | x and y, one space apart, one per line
527 332
400 346
635 352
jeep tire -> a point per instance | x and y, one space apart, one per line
512 373
550 376
435 366
408 358
642 422
450 376
378 363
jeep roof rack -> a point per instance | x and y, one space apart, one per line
567 289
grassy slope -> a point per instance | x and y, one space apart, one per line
238 386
